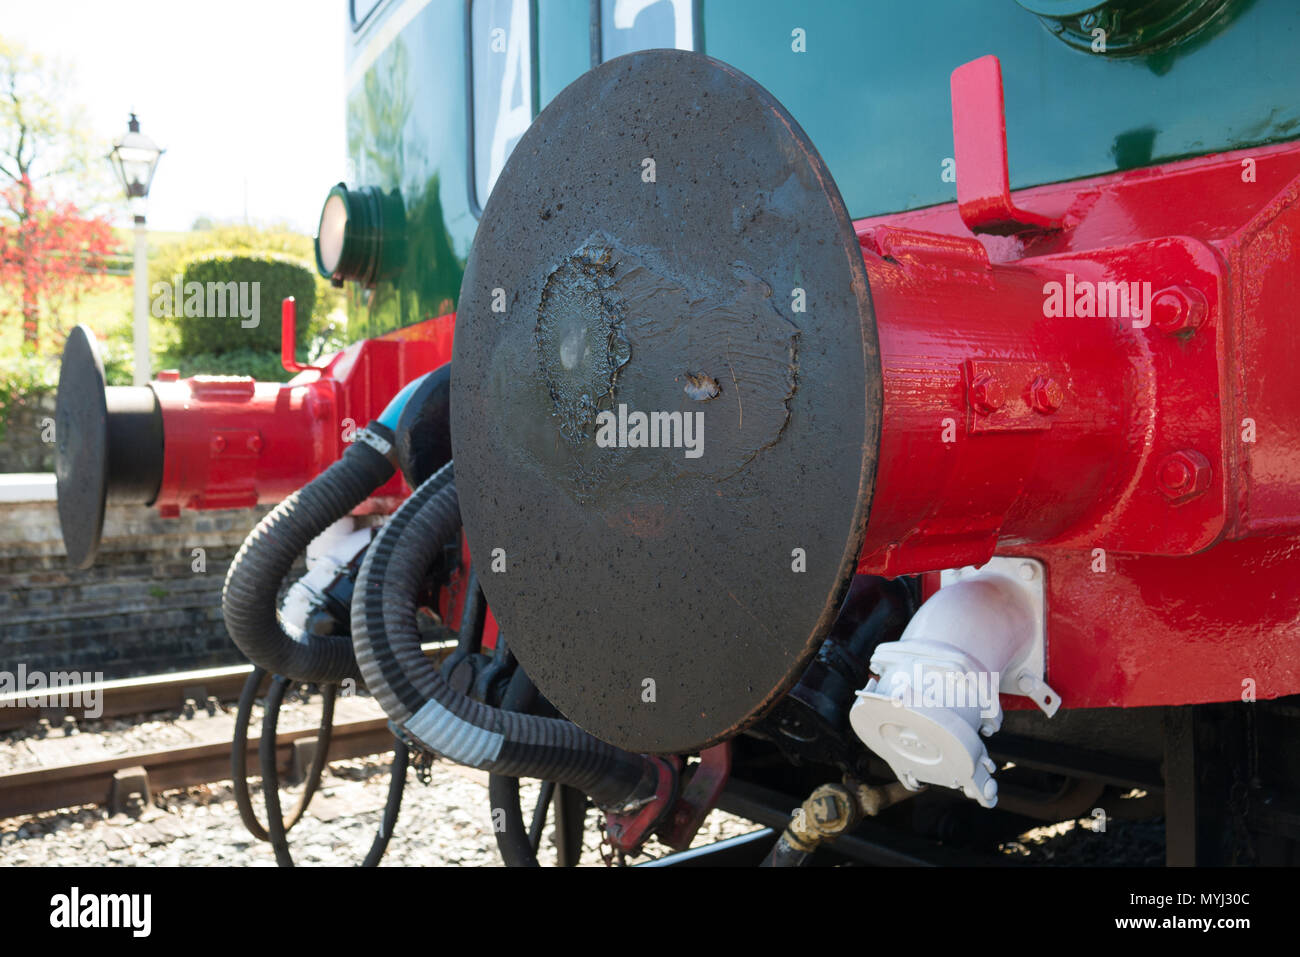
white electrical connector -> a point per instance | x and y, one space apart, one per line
937 688
328 555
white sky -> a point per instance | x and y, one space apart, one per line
237 91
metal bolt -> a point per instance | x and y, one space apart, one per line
1177 308
1046 395
1175 475
987 394
1183 475
254 443
1028 572
218 444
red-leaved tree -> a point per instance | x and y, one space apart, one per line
50 247
49 250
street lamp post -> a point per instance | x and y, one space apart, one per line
135 157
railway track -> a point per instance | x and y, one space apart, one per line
128 696
79 769
92 782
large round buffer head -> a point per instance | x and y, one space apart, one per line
81 437
665 401
109 446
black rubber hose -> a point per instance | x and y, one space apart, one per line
278 836
512 834
469 639
278 833
239 756
415 696
396 785
473 615
249 599
277 830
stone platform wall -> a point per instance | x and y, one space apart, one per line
151 604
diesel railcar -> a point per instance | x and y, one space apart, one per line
881 410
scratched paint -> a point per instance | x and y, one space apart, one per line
615 328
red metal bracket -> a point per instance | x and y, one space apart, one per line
698 797
627 832
979 139
289 337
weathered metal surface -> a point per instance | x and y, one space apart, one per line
665 240
110 445
81 431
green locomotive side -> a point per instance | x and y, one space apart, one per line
439 91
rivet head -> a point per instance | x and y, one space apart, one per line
987 394
1046 395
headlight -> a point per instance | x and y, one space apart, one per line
361 235
329 237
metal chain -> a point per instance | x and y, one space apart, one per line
422 764
613 857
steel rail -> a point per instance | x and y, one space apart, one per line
33 790
130 696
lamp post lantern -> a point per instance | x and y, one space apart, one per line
134 158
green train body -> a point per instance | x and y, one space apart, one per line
426 114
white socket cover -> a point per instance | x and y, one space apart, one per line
981 633
922 744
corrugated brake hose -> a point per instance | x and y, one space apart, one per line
415 696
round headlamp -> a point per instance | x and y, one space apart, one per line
361 235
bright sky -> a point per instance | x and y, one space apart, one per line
246 96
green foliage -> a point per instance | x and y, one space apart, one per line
24 379
168 261
233 291
263 366
30 375
117 354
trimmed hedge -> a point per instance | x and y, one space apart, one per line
210 319
262 366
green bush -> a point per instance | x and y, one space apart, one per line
167 260
23 380
263 366
228 282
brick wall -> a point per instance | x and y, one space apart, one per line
142 609
22 448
